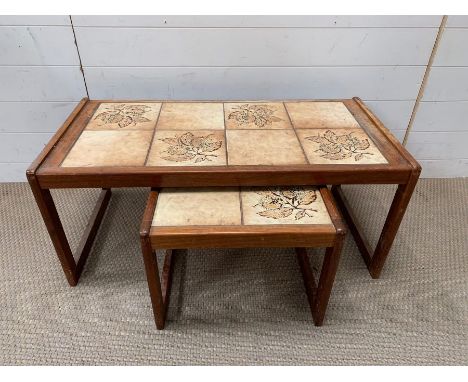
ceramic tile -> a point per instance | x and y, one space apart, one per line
125 116
256 115
188 148
327 115
339 146
263 147
191 116
283 205
109 148
199 206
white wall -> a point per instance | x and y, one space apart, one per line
439 137
40 84
381 59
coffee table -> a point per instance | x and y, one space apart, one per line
146 143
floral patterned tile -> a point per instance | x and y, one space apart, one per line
198 207
188 148
283 205
339 146
191 116
264 147
316 115
256 115
125 116
109 148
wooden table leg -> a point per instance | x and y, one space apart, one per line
159 287
168 269
307 276
45 202
375 259
318 295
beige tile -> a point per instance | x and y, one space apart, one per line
109 148
339 146
263 147
125 116
256 115
327 115
283 205
191 116
198 206
188 148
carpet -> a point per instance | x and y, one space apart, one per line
235 307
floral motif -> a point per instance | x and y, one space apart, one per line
279 204
260 115
187 147
336 147
124 115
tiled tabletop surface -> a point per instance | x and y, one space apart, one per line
220 134
245 206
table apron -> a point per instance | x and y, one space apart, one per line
219 179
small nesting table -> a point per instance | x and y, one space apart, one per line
146 143
221 217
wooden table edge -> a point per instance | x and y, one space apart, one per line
396 144
37 163
54 176
324 233
115 177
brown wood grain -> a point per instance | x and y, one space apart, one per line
389 136
87 240
56 138
241 237
114 177
353 224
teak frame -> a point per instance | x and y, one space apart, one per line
45 173
330 237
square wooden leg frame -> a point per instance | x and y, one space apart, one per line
71 267
375 259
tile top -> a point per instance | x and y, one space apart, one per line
291 205
264 147
339 146
109 148
247 206
185 148
191 116
328 115
200 206
125 116
201 134
256 115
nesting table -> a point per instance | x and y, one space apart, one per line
108 144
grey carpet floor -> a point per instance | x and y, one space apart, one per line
243 307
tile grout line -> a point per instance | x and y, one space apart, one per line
225 138
152 137
79 56
240 206
424 80
295 133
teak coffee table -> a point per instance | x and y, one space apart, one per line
107 144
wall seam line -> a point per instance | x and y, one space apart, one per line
79 56
424 80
